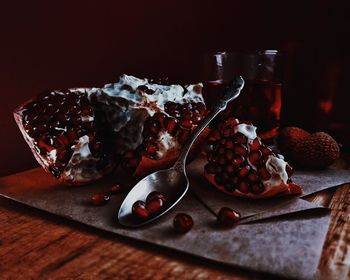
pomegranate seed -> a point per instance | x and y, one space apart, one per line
234 181
229 187
243 171
240 150
243 187
253 176
289 170
155 194
238 161
99 199
254 157
225 177
184 134
151 149
257 188
154 205
171 125
139 210
186 124
255 145
183 223
213 157
221 150
222 160
210 168
227 216
229 155
218 179
240 138
229 169
229 144
265 150
116 188
228 131
264 174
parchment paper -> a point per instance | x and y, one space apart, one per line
289 246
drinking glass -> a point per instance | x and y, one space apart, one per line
260 100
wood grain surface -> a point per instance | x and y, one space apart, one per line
37 245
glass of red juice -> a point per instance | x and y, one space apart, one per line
260 99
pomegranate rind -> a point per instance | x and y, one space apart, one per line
278 190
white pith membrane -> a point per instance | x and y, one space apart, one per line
275 165
126 108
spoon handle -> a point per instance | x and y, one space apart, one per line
231 93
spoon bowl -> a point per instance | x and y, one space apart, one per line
173 184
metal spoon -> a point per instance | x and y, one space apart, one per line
172 182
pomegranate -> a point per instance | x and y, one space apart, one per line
80 135
239 164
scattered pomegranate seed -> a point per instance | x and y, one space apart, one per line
139 210
182 223
116 188
99 199
227 216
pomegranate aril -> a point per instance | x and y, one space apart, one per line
265 150
187 124
116 188
257 188
171 125
243 171
183 136
151 149
218 179
54 171
229 187
238 161
182 223
229 155
240 138
243 187
228 131
255 145
154 205
229 169
253 176
240 149
231 122
229 144
210 168
264 174
99 199
155 194
222 160
139 210
254 157
227 216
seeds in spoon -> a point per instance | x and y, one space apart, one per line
139 210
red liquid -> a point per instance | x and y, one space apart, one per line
259 103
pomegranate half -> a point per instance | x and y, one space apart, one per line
79 135
239 164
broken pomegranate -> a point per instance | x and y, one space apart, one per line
239 164
80 135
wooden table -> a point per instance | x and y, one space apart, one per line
37 245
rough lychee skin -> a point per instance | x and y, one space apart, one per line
319 150
288 138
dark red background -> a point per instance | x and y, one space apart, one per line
58 44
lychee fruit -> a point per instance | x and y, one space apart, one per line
317 150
